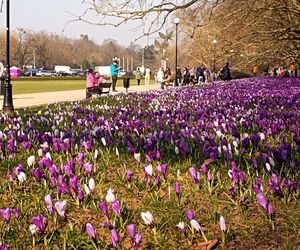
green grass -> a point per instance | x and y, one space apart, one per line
25 86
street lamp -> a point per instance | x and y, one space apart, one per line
176 21
215 73
7 100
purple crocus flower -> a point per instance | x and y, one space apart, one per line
16 212
6 214
49 203
70 168
129 174
4 247
74 183
87 145
195 175
115 238
262 200
40 222
88 167
163 169
80 194
116 207
108 225
18 169
190 214
80 158
37 174
103 207
90 231
137 240
177 189
204 169
131 229
157 180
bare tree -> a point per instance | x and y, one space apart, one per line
150 15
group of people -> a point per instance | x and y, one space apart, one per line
198 75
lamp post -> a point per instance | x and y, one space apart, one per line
7 100
215 73
176 21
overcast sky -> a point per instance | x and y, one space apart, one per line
52 15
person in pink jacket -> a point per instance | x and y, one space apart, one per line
90 83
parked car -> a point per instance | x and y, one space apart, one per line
45 72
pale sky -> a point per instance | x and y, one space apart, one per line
52 15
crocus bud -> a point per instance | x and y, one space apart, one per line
103 207
222 224
90 231
195 224
190 215
131 229
177 189
61 207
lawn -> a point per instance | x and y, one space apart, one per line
196 167
25 86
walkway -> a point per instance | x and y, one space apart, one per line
34 99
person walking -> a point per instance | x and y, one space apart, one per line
138 77
160 76
147 76
186 76
114 71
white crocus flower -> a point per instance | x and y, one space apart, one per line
272 161
222 224
96 154
262 136
86 189
91 184
33 229
149 169
268 167
40 152
137 157
147 218
31 160
110 197
219 133
103 141
48 155
22 177
195 224
181 225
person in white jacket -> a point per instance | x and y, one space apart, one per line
160 76
147 76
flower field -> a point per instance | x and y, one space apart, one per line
210 167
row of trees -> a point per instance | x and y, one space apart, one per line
246 32
45 50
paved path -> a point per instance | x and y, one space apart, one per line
34 99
